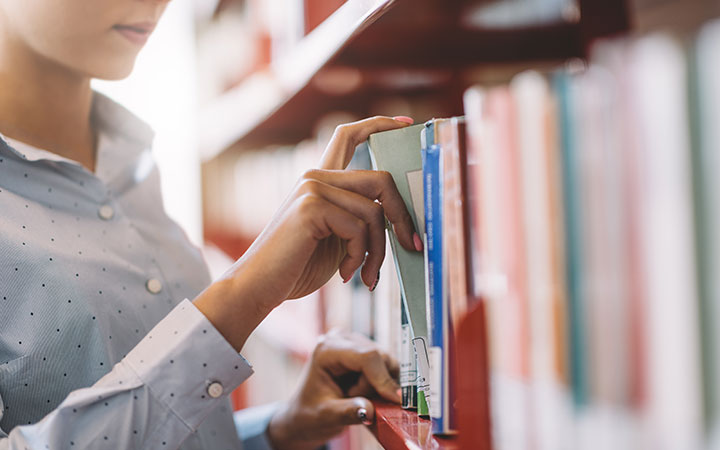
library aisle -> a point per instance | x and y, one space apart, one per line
563 173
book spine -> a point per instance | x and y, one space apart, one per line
430 267
433 230
705 110
573 240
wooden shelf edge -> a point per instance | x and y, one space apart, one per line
241 109
399 429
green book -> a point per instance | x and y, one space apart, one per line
408 365
563 84
398 152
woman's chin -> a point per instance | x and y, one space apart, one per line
110 63
116 70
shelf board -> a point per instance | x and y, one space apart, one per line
675 15
244 108
366 40
399 429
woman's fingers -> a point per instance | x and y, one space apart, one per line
342 145
361 388
349 411
374 368
326 219
392 364
354 356
369 211
374 185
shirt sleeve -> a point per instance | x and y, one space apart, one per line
252 425
152 399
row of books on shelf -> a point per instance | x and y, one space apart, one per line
580 206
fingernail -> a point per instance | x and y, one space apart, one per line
376 282
418 242
399 393
362 415
349 277
404 119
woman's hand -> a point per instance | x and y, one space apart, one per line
344 370
333 219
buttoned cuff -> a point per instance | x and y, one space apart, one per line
187 364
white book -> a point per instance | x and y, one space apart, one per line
708 85
658 86
532 100
606 257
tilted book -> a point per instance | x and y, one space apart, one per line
398 153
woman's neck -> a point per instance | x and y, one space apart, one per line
45 104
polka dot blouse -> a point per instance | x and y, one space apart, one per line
99 346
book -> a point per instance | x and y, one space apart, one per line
628 174
433 267
408 365
398 153
605 294
502 284
562 84
434 285
705 113
536 141
595 248
450 134
451 138
657 78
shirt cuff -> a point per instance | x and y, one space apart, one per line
252 426
187 364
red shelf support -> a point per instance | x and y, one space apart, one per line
399 429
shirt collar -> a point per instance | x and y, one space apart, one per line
113 121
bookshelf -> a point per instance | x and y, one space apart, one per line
377 44
407 48
398 429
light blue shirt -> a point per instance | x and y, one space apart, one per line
99 346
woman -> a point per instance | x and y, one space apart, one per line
99 344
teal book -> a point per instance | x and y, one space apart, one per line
398 152
563 85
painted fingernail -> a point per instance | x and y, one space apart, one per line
404 119
349 277
363 417
418 242
374 285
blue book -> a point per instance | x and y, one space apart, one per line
432 195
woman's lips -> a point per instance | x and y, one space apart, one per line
137 33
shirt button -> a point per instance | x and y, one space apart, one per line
215 390
153 285
106 212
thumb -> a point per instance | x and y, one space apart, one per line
342 145
349 411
